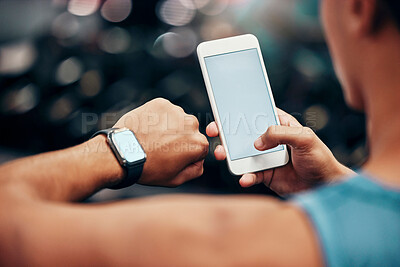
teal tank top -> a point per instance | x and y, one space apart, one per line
357 222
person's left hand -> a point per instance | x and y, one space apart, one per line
171 139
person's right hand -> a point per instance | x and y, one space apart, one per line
171 139
311 162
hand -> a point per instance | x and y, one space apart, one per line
171 139
311 162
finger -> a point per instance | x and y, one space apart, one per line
247 180
287 119
250 179
201 147
212 130
192 171
220 153
194 148
296 137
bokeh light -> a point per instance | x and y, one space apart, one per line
317 117
65 26
69 71
21 100
174 13
194 4
116 10
17 58
60 109
216 29
115 40
213 8
309 64
90 83
180 42
83 7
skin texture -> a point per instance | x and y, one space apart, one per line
40 225
171 138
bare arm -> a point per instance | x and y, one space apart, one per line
39 225
67 175
161 231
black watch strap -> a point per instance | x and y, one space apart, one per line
132 173
132 176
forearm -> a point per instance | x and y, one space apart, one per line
169 231
143 232
158 231
162 231
66 175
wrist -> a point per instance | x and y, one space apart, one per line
341 173
346 172
103 162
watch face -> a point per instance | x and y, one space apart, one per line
128 146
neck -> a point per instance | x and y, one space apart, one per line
382 105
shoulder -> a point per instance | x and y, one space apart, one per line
355 221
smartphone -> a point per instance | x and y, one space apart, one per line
241 100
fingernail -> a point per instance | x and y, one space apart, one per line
259 144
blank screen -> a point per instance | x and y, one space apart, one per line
129 146
242 98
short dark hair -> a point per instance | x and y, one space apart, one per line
389 8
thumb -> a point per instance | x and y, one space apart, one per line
296 137
192 171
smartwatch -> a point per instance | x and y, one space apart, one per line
129 153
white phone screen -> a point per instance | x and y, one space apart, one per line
243 101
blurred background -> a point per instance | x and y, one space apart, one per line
69 68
